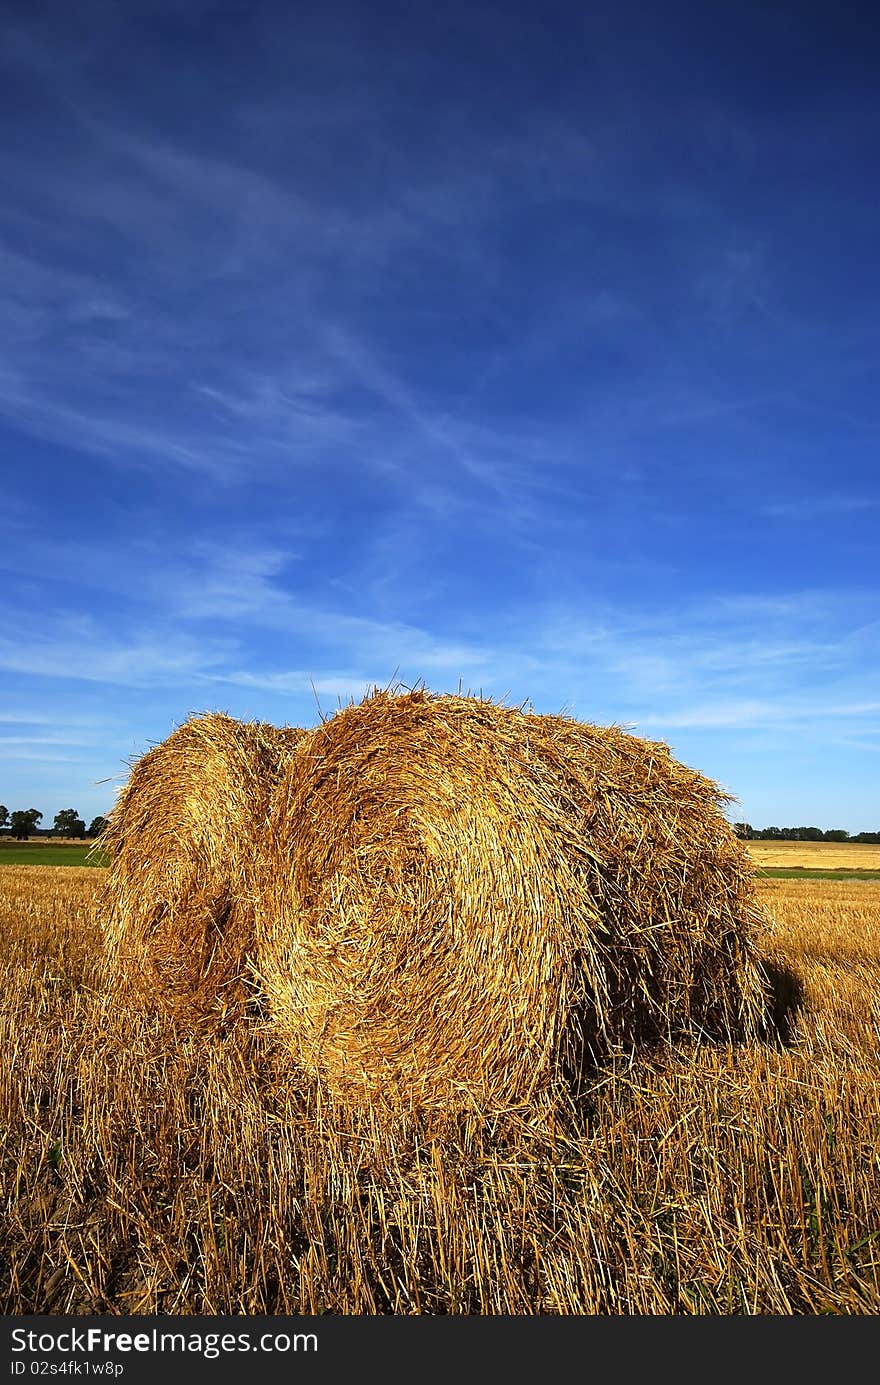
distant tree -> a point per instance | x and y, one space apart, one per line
68 823
4 815
24 822
96 826
800 834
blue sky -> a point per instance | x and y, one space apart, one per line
533 349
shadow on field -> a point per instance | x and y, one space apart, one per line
785 998
588 1056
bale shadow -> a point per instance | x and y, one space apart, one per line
784 993
587 1055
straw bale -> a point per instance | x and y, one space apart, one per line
463 904
182 838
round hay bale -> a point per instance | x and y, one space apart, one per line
463 904
182 838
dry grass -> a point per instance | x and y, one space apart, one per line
462 904
816 855
145 1170
181 839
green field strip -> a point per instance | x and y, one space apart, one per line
34 854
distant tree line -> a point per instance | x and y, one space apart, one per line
748 833
68 823
24 823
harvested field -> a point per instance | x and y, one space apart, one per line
145 1171
181 840
462 905
815 855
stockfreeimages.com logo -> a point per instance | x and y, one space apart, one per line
207 1344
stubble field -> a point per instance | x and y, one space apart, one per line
815 856
146 1171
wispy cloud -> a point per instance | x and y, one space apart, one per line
19 755
80 651
546 386
821 507
789 714
8 741
296 682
